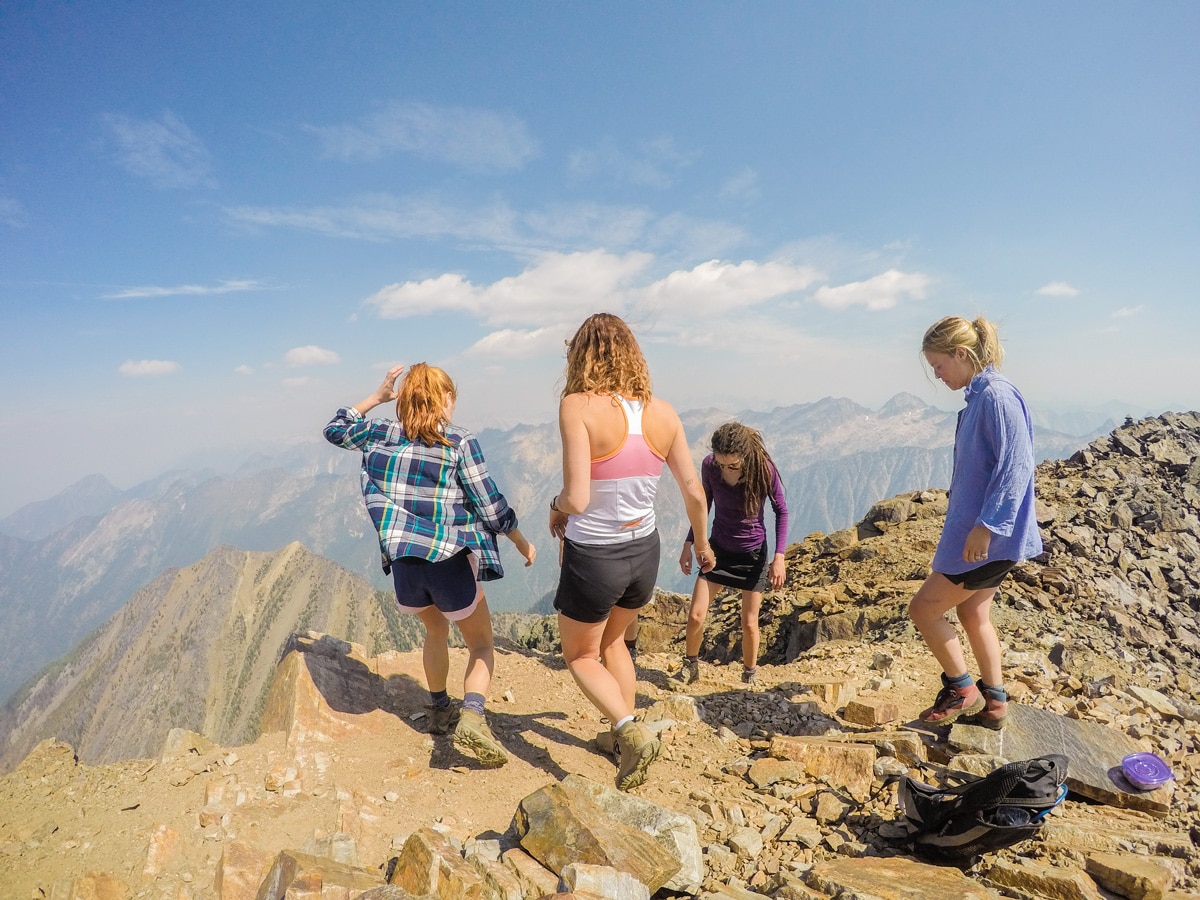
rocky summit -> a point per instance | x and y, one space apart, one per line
784 789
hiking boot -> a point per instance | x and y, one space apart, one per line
750 676
690 673
442 719
472 733
638 749
994 711
951 703
606 741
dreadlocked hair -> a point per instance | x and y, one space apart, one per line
421 403
604 358
758 470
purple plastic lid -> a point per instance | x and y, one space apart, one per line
1146 771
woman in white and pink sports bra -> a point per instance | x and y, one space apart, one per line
616 437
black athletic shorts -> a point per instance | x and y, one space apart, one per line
597 577
747 571
989 575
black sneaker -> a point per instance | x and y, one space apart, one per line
442 719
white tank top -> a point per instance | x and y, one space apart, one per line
624 484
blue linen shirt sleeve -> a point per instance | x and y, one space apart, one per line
1006 430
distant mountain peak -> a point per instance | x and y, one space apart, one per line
902 403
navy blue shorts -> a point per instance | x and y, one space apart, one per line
449 585
597 577
989 575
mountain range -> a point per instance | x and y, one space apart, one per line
70 562
197 649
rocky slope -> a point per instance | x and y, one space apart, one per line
197 649
786 791
1101 654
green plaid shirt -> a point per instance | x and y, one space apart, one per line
427 501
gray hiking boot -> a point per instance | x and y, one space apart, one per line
606 741
638 748
750 676
472 733
442 719
690 673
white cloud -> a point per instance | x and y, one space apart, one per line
881 292
476 139
653 163
563 228
187 290
244 370
510 343
147 368
1057 289
12 213
560 287
742 186
530 314
311 355
164 152
1126 311
714 287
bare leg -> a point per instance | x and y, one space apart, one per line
975 615
751 603
435 654
702 595
928 611
609 685
631 632
477 635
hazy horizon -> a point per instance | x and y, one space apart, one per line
228 461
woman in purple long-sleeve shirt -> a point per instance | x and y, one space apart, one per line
739 480
991 523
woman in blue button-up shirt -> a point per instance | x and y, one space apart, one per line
991 523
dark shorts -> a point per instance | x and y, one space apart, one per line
597 577
449 585
745 570
989 575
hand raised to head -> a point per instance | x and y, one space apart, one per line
387 388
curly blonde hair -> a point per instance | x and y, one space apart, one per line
421 403
978 338
604 358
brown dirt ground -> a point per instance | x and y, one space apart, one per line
60 820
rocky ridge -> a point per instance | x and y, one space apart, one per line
790 786
197 649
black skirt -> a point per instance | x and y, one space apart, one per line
746 571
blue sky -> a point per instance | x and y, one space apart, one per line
218 222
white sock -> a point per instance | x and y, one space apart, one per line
623 722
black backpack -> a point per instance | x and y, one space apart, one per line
984 814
